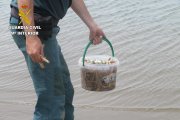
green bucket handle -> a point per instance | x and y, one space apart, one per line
90 42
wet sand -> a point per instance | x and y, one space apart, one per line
20 112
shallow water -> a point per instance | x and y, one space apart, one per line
146 37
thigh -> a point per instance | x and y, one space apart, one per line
69 90
66 73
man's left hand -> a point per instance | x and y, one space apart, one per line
96 34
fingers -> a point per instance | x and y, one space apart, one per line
35 48
96 36
97 40
36 57
35 54
44 59
39 57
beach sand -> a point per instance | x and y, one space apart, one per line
24 112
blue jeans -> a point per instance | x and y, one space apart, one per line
53 86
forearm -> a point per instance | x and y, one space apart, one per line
80 9
26 13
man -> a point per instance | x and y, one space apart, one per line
52 84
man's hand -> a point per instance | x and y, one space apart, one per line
96 34
34 48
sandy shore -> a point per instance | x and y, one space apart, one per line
20 112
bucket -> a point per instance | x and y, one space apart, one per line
98 72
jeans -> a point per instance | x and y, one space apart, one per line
52 84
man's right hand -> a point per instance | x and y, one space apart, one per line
34 48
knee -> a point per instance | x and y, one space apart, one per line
43 101
44 94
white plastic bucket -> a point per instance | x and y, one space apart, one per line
98 72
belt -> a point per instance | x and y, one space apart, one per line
15 14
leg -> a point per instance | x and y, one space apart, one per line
69 90
52 95
48 82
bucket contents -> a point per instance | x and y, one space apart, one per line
109 61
